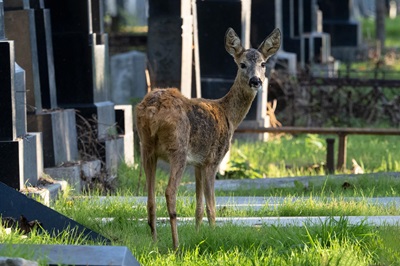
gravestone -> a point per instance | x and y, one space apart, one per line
169 44
14 204
128 78
300 32
340 23
33 49
265 17
20 152
218 70
81 59
81 63
217 67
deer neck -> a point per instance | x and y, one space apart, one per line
237 102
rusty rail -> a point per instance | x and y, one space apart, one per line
351 82
341 132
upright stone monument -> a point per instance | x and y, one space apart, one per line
169 44
128 77
340 23
81 64
301 33
266 16
218 70
28 24
20 152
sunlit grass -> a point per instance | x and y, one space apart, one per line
306 154
331 242
392 31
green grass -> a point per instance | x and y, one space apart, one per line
306 154
288 156
392 31
332 242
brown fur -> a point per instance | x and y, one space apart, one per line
197 131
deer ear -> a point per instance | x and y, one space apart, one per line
232 43
271 44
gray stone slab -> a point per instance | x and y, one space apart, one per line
47 193
81 255
20 101
70 135
114 154
64 136
124 119
295 221
128 78
105 119
100 60
71 174
10 261
59 135
32 159
279 221
259 183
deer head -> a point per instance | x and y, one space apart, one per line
251 62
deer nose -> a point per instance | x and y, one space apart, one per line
255 82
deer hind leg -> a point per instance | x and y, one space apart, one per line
149 161
178 164
209 181
199 197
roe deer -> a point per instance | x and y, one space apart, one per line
198 131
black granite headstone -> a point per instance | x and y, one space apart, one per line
33 42
45 55
20 26
217 68
335 9
19 162
14 204
299 22
169 44
7 129
214 18
80 52
338 22
263 19
81 64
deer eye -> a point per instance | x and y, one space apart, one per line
263 64
242 65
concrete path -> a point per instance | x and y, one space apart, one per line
256 203
291 221
260 183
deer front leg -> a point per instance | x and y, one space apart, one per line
199 197
177 168
209 193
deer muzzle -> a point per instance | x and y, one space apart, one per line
255 82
